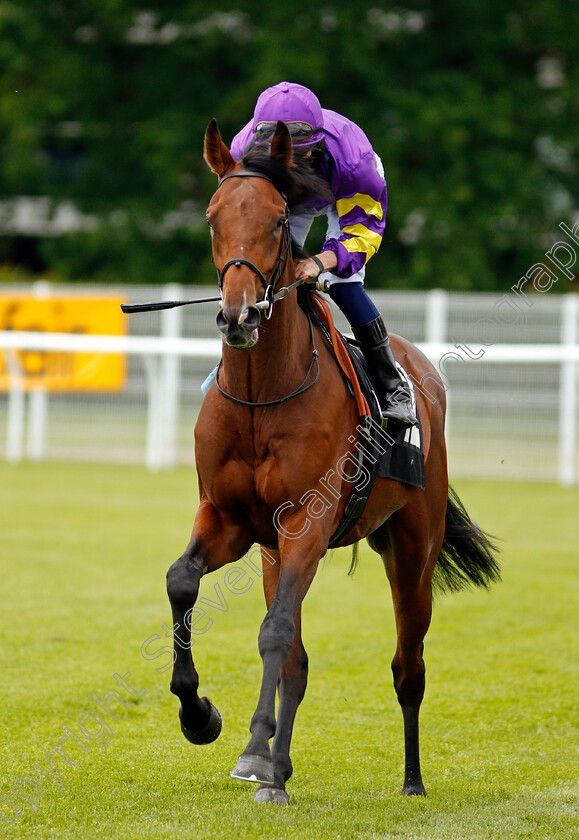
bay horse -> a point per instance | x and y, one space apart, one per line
277 419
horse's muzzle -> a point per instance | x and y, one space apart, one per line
239 327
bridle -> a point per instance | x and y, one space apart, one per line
271 295
269 284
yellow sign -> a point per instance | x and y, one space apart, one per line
57 370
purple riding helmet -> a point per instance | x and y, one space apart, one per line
294 105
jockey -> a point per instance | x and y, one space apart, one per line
341 154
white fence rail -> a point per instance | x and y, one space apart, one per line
513 405
162 388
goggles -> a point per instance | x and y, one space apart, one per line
301 133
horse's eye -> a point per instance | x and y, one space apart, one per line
280 223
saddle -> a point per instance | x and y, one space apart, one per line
398 456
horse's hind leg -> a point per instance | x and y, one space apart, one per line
409 557
213 544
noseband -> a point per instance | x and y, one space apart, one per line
269 284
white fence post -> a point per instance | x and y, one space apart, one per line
154 447
16 408
436 317
436 329
38 397
37 413
568 392
171 326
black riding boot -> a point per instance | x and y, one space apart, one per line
393 393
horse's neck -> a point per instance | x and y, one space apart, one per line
277 364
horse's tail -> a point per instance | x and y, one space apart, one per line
355 558
467 557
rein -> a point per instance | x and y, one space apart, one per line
271 296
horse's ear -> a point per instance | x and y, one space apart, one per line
281 144
216 154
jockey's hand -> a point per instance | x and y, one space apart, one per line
307 269
310 268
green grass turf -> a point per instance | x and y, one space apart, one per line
83 555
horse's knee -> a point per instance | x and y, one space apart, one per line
183 580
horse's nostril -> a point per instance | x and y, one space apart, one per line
247 321
252 319
239 329
222 320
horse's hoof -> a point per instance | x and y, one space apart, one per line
208 733
254 768
272 794
414 790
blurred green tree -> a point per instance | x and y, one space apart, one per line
472 107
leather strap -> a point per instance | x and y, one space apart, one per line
342 356
319 264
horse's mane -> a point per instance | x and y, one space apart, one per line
298 182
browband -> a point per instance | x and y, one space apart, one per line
249 173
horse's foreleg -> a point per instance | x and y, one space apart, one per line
277 639
200 720
212 545
291 689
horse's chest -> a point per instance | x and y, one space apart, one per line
243 484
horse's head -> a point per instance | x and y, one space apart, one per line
249 230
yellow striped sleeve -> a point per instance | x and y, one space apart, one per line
362 241
368 204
